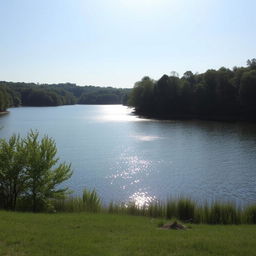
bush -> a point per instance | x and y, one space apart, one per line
29 172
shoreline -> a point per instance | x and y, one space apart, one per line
4 113
194 117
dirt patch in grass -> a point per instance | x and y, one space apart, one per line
174 225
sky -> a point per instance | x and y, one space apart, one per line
117 42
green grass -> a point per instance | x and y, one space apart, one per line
109 234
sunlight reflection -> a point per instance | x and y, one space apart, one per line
118 113
135 166
142 199
129 174
146 138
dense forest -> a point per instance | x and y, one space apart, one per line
222 94
31 94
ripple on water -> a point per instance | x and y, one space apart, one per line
130 167
130 177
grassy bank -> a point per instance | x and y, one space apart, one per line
184 209
110 234
181 208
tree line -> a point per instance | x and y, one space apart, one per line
31 94
216 94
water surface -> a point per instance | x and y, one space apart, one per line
129 158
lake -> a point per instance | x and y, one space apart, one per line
127 158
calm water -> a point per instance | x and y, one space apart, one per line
128 158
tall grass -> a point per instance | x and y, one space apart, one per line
71 204
223 213
171 208
184 209
90 201
249 214
188 210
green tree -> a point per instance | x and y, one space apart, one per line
166 92
251 63
4 99
29 172
12 171
226 92
141 96
44 175
247 92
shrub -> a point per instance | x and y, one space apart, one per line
29 172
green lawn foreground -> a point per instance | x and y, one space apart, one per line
106 234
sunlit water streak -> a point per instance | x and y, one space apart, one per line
110 113
146 138
142 199
131 159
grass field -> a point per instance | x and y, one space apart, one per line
107 234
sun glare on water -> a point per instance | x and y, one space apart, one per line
141 198
116 113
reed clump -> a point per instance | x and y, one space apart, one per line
90 202
250 214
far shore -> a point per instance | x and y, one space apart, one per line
218 118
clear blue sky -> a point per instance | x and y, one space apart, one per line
117 42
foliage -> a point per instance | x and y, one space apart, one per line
5 101
142 94
184 209
70 204
29 172
250 214
215 94
44 175
91 200
13 174
223 214
247 91
30 94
